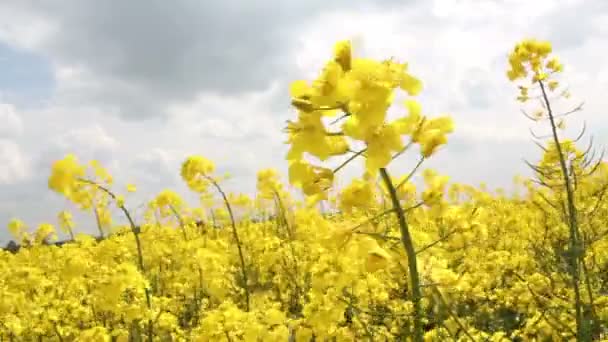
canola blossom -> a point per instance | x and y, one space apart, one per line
389 261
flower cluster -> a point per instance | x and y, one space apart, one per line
359 92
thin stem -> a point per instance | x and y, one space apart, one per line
283 213
180 220
349 160
589 290
411 174
572 220
134 228
451 312
443 238
291 238
97 220
408 245
215 224
396 155
376 217
140 258
57 332
236 239
71 231
339 118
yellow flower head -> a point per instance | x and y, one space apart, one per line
268 182
359 194
65 174
65 221
343 54
195 172
531 56
44 232
168 198
16 228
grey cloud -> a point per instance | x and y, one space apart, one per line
34 203
14 165
155 167
87 143
478 89
569 26
31 202
154 52
12 125
494 162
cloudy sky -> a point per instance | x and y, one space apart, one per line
140 85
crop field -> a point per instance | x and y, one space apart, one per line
385 260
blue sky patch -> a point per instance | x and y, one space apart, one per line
26 79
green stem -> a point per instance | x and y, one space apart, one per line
408 245
451 312
372 219
213 218
411 174
57 332
97 220
291 238
236 239
140 258
572 222
180 220
283 214
351 158
71 233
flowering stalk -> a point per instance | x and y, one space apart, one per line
282 213
98 221
571 213
236 239
180 220
291 237
408 245
532 57
135 230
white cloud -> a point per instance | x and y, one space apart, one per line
11 124
235 118
14 165
155 166
32 35
93 137
87 142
